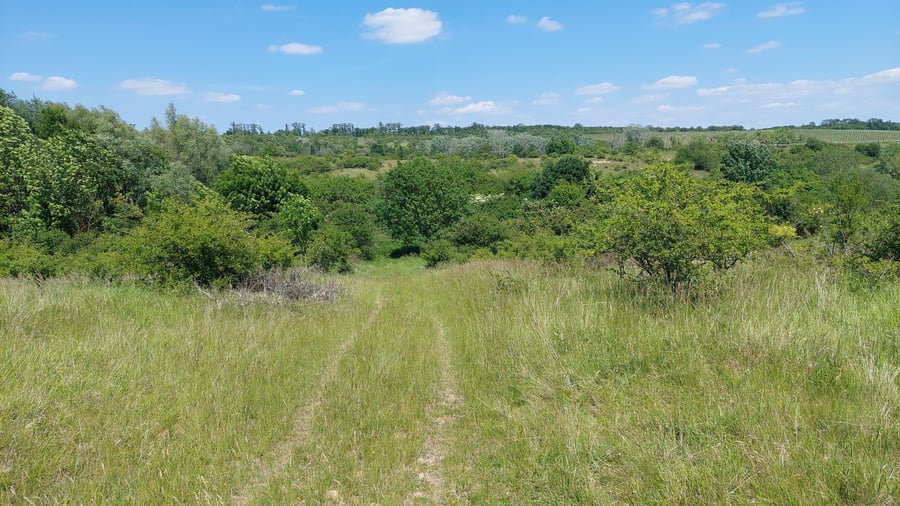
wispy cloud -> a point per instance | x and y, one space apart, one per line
779 105
444 98
338 107
672 82
648 98
477 108
295 48
276 8
154 87
24 76
777 92
772 44
402 26
516 19
548 98
781 10
549 25
680 109
597 89
685 13
297 93
216 96
52 83
57 83
712 45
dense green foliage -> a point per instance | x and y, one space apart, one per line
420 199
747 162
672 226
258 186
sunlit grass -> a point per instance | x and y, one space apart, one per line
781 385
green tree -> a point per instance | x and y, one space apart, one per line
570 168
700 154
673 226
560 144
257 185
191 146
747 162
298 218
419 199
18 158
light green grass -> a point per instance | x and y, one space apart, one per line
566 388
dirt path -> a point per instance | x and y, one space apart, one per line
442 413
280 456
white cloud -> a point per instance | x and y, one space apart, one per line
731 70
338 107
684 13
297 93
712 45
681 109
24 76
548 98
548 25
772 44
152 86
515 19
477 108
672 82
888 75
276 8
779 10
33 35
295 48
216 96
444 98
597 89
594 100
779 105
402 26
57 83
263 107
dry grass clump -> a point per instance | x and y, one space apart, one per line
284 285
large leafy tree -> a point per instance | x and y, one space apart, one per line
569 168
257 185
420 198
672 226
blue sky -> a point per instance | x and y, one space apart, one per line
657 63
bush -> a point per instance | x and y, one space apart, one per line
573 169
478 230
747 162
258 186
673 226
437 251
330 250
205 242
298 218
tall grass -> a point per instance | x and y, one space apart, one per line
781 386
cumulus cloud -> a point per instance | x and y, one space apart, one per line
780 10
25 76
680 109
153 86
444 98
402 26
477 108
672 82
548 25
295 48
297 93
712 45
338 107
548 98
515 19
597 89
276 8
216 96
772 44
57 83
686 13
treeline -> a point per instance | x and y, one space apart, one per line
83 191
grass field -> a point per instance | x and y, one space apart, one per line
487 383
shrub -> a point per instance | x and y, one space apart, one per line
570 168
747 162
330 250
205 242
258 186
437 251
672 226
298 218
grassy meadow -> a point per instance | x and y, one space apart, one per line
496 382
